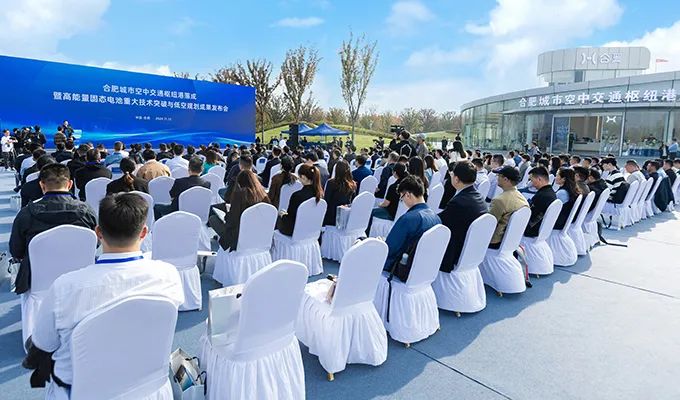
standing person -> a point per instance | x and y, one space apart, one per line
93 169
339 191
504 205
421 146
673 149
67 129
445 143
7 149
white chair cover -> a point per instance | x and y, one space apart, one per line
621 213
377 173
122 351
390 181
254 244
265 361
484 188
51 254
641 206
525 179
32 176
216 183
435 180
146 244
303 246
159 189
260 164
462 289
635 209
590 224
349 329
175 241
575 231
335 242
197 200
413 306
179 172
500 269
675 190
115 171
65 162
382 227
218 170
95 191
368 184
444 172
286 192
562 246
435 196
273 171
649 203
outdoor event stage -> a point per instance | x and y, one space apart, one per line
606 328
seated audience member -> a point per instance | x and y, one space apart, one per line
574 160
120 272
615 181
62 153
362 171
311 188
191 151
582 180
461 211
312 158
335 157
567 194
128 182
482 175
57 207
177 161
286 177
541 200
116 156
430 167
407 231
388 208
504 205
416 167
79 159
275 160
93 169
245 163
339 191
32 190
439 158
163 152
663 195
524 165
497 161
587 162
30 161
387 172
247 192
596 184
668 168
180 185
151 168
634 173
211 160
33 168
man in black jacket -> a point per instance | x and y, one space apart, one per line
596 184
542 199
56 207
93 169
461 211
275 160
385 175
180 185
31 191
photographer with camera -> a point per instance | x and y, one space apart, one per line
7 149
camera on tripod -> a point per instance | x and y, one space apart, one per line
398 129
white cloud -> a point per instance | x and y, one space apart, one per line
145 68
295 22
435 56
662 43
439 94
406 15
34 28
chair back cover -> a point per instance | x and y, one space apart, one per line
257 227
271 300
95 191
376 174
65 162
122 350
216 183
360 213
585 206
175 239
515 230
632 190
572 213
484 188
196 200
179 172
369 184
428 257
369 163
273 171
435 196
647 188
52 253
444 172
260 164
390 181
116 172
401 210
219 171
595 213
549 220
525 179
159 189
651 194
287 191
359 273
297 169
476 242
149 201
435 180
309 219
642 186
32 176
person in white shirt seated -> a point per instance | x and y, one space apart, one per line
634 173
177 161
119 273
497 161
482 175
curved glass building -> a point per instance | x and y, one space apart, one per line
597 101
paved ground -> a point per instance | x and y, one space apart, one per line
606 328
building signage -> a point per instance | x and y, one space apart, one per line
613 97
591 57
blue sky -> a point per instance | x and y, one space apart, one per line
438 53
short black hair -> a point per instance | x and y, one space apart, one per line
122 217
595 173
311 156
609 160
148 154
276 151
44 160
465 172
361 160
54 175
246 161
61 146
127 165
540 172
37 153
412 184
577 158
400 170
196 164
93 155
178 149
581 172
478 162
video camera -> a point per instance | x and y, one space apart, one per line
398 129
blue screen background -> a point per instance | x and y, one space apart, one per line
34 92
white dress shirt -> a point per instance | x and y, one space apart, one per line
635 176
7 145
177 162
75 295
481 177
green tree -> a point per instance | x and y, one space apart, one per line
297 71
358 60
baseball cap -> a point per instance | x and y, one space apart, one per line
509 172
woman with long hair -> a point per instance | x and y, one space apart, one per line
416 167
431 167
247 192
567 193
555 165
311 189
210 160
388 208
458 152
339 191
286 177
128 182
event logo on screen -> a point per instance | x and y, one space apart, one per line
106 105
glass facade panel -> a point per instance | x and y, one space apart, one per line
539 128
514 134
644 132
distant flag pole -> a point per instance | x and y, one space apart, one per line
659 60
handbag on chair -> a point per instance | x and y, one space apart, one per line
187 378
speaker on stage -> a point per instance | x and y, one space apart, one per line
294 137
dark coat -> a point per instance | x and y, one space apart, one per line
267 170
286 224
334 198
183 184
539 205
30 191
119 185
89 172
